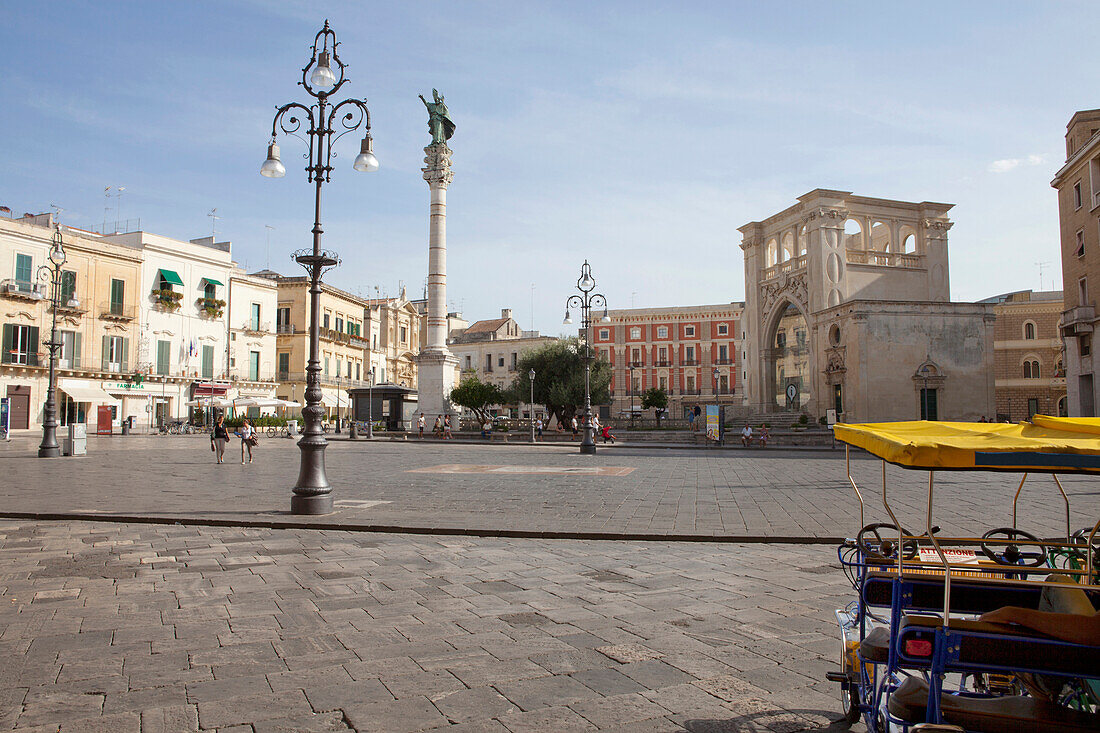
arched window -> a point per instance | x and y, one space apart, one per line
1029 331
1031 369
771 253
853 234
787 251
880 237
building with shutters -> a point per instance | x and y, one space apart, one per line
98 324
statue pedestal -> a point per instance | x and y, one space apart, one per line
435 380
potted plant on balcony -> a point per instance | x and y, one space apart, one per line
167 299
212 307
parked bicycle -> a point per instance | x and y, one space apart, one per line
276 431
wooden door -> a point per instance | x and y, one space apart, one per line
19 405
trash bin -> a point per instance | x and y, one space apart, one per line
76 441
126 423
292 425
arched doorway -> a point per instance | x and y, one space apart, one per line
788 356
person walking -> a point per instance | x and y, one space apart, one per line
420 425
606 433
447 428
218 438
538 429
248 439
437 429
573 423
691 421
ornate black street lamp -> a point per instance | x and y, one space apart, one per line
585 301
531 376
51 275
630 376
312 492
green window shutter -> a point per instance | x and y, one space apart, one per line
106 352
164 349
125 354
76 350
118 292
23 267
207 362
5 358
68 285
34 346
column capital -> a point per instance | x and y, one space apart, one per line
438 171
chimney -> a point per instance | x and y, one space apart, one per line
505 312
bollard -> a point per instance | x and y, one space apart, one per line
353 432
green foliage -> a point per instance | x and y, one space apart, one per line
559 378
477 396
654 399
803 419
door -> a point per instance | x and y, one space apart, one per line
254 366
118 292
164 356
928 408
207 361
19 407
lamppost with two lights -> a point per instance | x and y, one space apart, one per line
312 492
52 275
630 376
531 376
370 405
585 301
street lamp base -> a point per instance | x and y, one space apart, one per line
588 450
320 504
52 451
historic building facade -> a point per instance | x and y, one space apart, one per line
1030 375
395 340
690 352
848 307
1078 185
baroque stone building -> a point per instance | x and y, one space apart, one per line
1078 185
848 307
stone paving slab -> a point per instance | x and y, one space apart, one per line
688 494
242 629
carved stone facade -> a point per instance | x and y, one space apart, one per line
887 261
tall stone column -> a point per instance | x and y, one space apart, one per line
436 364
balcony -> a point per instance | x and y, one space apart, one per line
117 311
286 328
690 392
1079 320
689 362
328 380
662 363
253 327
884 259
636 364
790 266
723 361
22 289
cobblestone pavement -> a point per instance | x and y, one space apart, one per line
728 494
129 627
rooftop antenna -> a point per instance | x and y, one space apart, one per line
56 212
267 256
632 294
213 223
106 206
118 206
1042 266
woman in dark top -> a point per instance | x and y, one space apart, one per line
219 437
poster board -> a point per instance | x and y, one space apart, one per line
103 420
714 423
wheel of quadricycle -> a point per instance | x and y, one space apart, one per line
884 547
1009 538
849 699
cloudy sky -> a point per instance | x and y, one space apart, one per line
638 135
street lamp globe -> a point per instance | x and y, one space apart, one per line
586 283
606 317
531 374
568 318
57 254
365 162
322 76
273 167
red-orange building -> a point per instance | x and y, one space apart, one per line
691 352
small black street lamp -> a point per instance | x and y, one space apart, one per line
585 301
51 274
924 370
370 405
630 373
716 375
312 492
531 376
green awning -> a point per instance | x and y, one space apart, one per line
212 281
171 277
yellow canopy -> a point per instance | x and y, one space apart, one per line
1045 445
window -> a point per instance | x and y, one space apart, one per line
68 286
468 364
339 324
282 319
209 291
1084 345
284 367
207 361
358 374
339 369
115 352
254 366
723 384
24 267
691 384
662 355
604 334
689 353
723 353
635 385
326 366
515 359
723 329
635 356
1032 407
1080 251
1029 330
928 407
118 296
1077 195
325 320
348 369
1083 291
164 356
664 384
500 361
488 362
662 332
1094 179
1031 369
405 336
689 331
635 333
70 349
255 317
20 345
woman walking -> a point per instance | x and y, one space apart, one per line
218 438
248 439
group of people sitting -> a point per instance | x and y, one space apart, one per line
760 438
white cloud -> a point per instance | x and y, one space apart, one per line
1006 164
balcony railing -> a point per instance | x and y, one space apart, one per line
117 311
792 265
329 380
723 361
883 259
285 328
22 289
689 362
690 391
662 363
636 364
253 327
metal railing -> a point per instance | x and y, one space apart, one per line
662 363
285 328
117 311
252 327
689 362
723 361
328 380
23 289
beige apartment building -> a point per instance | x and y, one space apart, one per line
689 352
848 307
1030 375
343 342
1078 185
395 340
97 324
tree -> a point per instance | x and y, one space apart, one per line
477 396
559 378
656 399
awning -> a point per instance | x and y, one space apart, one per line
84 391
218 389
212 281
329 399
209 402
171 277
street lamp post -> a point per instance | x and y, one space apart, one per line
924 393
370 405
716 375
585 301
531 375
51 274
312 492
337 431
630 376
